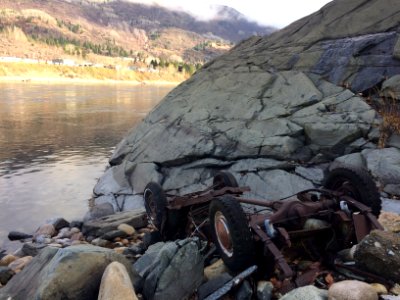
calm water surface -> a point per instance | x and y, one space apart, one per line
55 141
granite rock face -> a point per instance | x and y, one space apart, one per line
268 106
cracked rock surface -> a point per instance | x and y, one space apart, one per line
275 111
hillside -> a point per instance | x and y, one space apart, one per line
93 31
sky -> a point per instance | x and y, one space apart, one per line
277 13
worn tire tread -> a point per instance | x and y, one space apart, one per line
242 239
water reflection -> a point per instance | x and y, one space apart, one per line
55 141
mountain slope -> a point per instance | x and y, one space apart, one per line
50 28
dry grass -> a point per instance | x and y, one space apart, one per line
37 71
390 112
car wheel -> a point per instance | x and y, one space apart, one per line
231 233
356 183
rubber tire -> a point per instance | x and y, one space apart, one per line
364 186
241 236
170 223
224 179
160 201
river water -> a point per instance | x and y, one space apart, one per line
55 142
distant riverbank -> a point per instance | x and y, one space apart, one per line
24 72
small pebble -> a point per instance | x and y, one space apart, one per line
120 250
16 235
128 229
6 260
100 242
46 229
20 263
64 233
5 274
42 239
75 230
379 288
54 245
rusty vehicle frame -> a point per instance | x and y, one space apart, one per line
279 222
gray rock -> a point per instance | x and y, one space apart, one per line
379 253
275 184
308 292
314 174
354 159
258 164
42 239
134 250
98 211
58 223
30 249
159 269
393 189
143 174
5 275
391 87
113 181
44 277
390 205
16 235
130 202
144 264
97 227
384 164
111 235
245 292
100 242
394 141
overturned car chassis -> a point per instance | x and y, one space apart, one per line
336 216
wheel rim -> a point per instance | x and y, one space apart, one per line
223 234
151 209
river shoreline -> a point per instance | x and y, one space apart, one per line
61 80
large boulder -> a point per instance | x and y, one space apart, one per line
69 273
272 103
170 270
